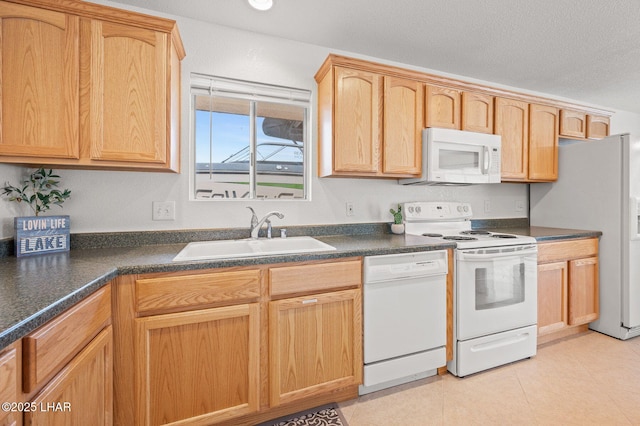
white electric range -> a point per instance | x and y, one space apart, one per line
495 286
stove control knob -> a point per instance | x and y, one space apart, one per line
466 208
410 209
459 208
418 209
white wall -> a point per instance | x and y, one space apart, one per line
121 201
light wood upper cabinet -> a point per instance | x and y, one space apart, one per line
581 125
529 140
402 126
89 86
369 121
573 123
124 108
512 123
597 126
477 112
39 53
543 143
356 137
442 107
369 124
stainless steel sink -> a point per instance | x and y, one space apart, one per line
226 249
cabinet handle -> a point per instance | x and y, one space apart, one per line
304 302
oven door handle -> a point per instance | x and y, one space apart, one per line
499 255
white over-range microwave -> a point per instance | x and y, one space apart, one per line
458 157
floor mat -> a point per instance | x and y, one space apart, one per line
328 415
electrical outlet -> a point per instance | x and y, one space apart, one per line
487 206
164 210
349 207
519 205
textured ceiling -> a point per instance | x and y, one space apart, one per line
586 50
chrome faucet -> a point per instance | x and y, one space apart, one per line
256 223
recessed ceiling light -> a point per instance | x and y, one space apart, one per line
261 4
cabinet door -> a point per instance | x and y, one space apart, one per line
552 297
124 85
477 112
543 143
512 123
315 345
442 107
573 123
198 366
82 393
40 92
402 140
357 121
583 291
9 385
597 127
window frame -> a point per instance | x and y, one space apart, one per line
253 92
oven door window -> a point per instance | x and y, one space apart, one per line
499 286
496 290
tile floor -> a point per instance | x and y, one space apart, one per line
589 379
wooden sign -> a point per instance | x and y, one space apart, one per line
41 234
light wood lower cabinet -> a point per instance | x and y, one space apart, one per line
202 366
567 287
82 393
62 373
236 346
10 384
314 345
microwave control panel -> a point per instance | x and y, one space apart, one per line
495 160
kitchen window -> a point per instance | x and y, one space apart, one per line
249 140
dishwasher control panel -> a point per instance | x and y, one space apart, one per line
405 265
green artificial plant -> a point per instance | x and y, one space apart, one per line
39 191
397 215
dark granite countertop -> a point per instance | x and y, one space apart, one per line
34 290
542 234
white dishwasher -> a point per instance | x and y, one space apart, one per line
404 306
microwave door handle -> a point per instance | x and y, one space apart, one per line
486 160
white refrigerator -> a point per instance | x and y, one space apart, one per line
598 188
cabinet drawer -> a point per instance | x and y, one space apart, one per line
315 277
49 348
175 293
566 250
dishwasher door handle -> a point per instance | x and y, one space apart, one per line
424 279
